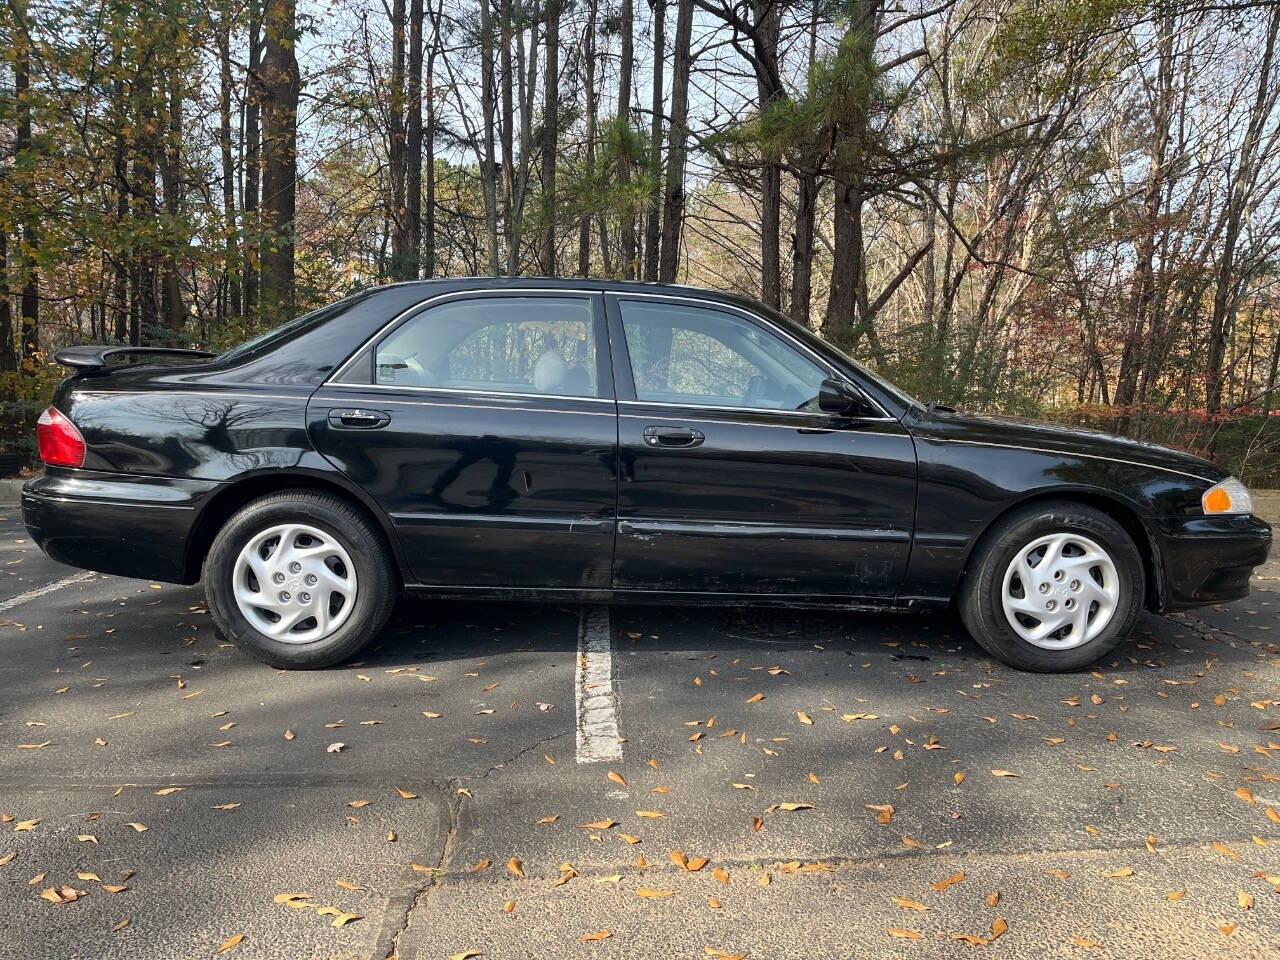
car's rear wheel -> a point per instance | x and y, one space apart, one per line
300 579
1053 587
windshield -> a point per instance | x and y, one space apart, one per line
815 341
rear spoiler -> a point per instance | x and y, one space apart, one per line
93 359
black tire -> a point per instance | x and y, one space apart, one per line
377 585
981 605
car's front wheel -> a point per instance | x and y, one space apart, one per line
1053 587
300 579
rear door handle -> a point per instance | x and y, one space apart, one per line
672 437
357 419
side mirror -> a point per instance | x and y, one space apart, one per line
843 400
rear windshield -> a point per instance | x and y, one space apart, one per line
289 329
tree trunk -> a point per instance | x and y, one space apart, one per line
488 165
527 76
252 160
231 267
413 159
170 158
429 150
507 128
550 136
280 89
397 147
8 349
143 192
653 217
627 228
1229 283
802 246
589 88
847 304
22 147
769 90
673 197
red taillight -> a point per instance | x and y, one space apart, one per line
60 442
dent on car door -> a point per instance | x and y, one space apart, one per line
732 479
485 427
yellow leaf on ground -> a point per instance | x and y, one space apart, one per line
617 778
654 894
1004 773
597 936
904 934
1085 942
1122 872
406 794
998 926
907 904
804 717
516 867
1226 851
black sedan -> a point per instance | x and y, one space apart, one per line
579 440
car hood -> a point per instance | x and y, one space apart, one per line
1021 432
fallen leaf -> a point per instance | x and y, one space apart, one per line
230 944
599 824
804 717
1004 773
998 926
120 926
597 936
617 778
516 867
1176 894
1244 899
406 794
334 747
907 904
651 814
1226 851
654 894
904 934
1085 942
466 955
942 884
756 698
1122 872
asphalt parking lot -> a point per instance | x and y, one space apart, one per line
507 781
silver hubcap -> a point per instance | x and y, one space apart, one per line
294 583
1060 591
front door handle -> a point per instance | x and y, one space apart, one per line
672 437
357 419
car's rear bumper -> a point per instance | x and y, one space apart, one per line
123 524
1209 559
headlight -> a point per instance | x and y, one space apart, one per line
1229 496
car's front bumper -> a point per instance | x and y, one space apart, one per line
123 524
1208 559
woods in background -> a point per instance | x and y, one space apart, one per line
1038 207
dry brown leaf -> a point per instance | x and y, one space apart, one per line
597 936
907 904
945 882
466 955
1004 773
357 804
998 926
993 898
1176 895
1085 942
651 814
905 934
649 894
1121 872
230 944
617 778
516 867
755 698
721 874
804 717
599 824
551 819
972 939
1227 929
120 926
1245 900
481 866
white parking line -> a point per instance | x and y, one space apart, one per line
41 591
593 694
